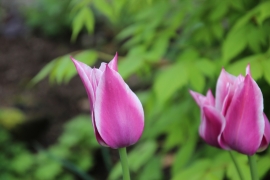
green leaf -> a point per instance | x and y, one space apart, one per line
219 11
84 17
76 6
89 20
255 65
152 170
133 62
22 163
106 8
196 79
264 12
183 156
169 81
43 73
194 172
61 69
243 165
190 54
263 166
48 171
158 49
128 31
58 72
77 24
234 43
266 72
255 38
217 30
207 67
174 138
161 124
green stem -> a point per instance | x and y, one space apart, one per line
236 166
124 162
253 168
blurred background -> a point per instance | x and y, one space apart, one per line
165 47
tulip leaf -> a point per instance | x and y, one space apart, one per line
169 81
234 43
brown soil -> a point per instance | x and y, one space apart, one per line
46 106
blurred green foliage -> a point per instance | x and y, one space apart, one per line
70 157
174 46
48 16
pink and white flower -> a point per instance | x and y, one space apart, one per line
117 113
235 118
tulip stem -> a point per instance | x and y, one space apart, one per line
253 168
236 166
124 162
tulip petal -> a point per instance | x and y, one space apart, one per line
245 113
113 63
248 70
119 114
230 92
203 100
85 73
98 137
211 126
95 77
266 135
224 81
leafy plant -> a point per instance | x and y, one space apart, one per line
172 47
74 152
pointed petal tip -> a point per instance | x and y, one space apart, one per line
113 62
191 92
248 72
73 59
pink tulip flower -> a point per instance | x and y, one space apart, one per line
117 113
235 119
